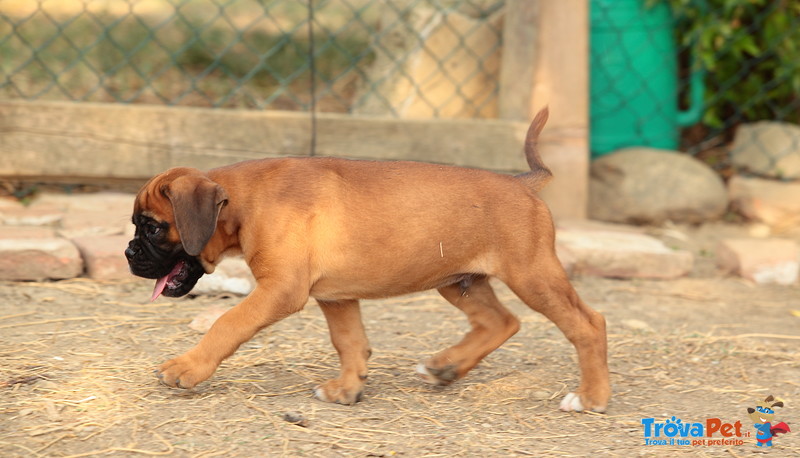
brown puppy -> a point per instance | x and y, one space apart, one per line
339 231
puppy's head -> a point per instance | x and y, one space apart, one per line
175 215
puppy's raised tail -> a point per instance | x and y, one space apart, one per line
539 175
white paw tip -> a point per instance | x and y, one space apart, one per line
571 402
426 376
320 394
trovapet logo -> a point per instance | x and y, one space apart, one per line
675 431
715 431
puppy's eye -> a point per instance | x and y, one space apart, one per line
152 229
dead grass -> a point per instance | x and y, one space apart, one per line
77 359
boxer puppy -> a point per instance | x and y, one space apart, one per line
341 230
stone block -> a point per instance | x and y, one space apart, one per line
117 202
45 215
26 232
9 203
622 255
39 259
760 260
776 203
83 223
104 256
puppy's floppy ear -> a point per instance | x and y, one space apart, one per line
196 202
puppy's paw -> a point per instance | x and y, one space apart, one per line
437 376
339 392
570 403
184 371
573 402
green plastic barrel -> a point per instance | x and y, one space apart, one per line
634 77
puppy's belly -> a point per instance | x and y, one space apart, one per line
332 288
394 271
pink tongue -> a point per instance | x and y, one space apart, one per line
161 283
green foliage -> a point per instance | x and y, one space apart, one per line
751 51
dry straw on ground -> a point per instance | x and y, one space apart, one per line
77 379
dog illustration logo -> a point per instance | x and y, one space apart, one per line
762 415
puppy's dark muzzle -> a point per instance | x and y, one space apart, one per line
179 270
145 261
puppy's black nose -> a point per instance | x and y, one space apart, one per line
131 251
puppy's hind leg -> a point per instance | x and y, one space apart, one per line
544 287
492 324
350 341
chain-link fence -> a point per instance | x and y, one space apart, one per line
682 74
717 78
400 57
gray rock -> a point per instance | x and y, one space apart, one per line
768 148
651 186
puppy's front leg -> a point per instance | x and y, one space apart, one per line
267 304
350 341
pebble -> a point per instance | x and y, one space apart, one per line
636 325
296 418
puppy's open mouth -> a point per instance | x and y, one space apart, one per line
172 281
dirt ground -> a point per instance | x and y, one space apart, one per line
77 359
